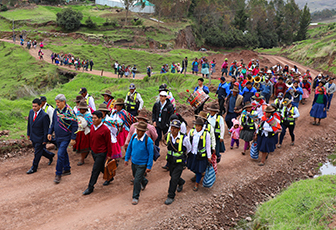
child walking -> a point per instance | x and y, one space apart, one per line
235 132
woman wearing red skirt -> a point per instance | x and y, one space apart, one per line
82 145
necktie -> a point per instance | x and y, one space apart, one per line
35 116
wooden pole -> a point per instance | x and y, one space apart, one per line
102 72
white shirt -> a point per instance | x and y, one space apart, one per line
142 138
37 113
50 112
212 121
116 65
95 128
91 102
138 97
196 138
266 129
296 111
186 141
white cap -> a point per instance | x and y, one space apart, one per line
163 93
269 71
320 75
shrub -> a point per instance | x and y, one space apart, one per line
138 22
4 8
89 23
69 19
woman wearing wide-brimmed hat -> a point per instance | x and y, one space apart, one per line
200 154
267 128
248 120
84 117
77 100
108 100
119 113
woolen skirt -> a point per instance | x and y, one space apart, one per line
196 166
116 151
121 138
305 93
82 142
266 144
205 71
246 135
317 111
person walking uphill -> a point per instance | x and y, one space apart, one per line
221 92
64 125
178 146
88 98
141 151
161 113
184 64
133 101
100 143
205 90
37 131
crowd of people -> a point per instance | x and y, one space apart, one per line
122 125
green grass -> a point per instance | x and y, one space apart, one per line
21 73
306 204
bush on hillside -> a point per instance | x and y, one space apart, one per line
138 22
89 23
113 23
4 8
69 19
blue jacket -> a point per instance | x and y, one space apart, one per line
60 133
140 154
222 90
38 129
247 94
205 89
266 89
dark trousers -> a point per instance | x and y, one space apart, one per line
266 96
62 157
98 166
175 172
115 70
283 132
199 109
221 106
228 119
159 132
139 179
40 150
329 100
91 67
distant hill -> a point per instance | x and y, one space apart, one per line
316 5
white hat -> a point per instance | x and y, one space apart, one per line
269 71
163 93
320 75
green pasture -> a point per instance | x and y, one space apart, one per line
306 204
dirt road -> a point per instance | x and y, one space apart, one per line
35 202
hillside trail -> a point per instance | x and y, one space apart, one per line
47 54
35 202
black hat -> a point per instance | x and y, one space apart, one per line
83 90
175 123
199 121
43 98
201 79
222 78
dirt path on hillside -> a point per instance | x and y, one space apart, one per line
47 54
35 202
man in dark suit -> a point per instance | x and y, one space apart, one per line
37 131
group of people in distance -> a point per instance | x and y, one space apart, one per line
122 125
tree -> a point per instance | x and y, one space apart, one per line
240 19
69 19
305 20
129 4
89 23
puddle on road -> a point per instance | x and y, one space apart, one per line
327 169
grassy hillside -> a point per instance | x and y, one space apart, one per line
26 19
318 51
306 204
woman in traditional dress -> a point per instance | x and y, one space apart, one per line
108 100
305 85
84 117
200 155
267 128
128 119
319 108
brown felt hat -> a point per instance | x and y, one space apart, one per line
103 107
269 109
213 107
79 98
119 101
82 105
247 105
142 126
202 115
108 93
199 121
235 89
143 115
